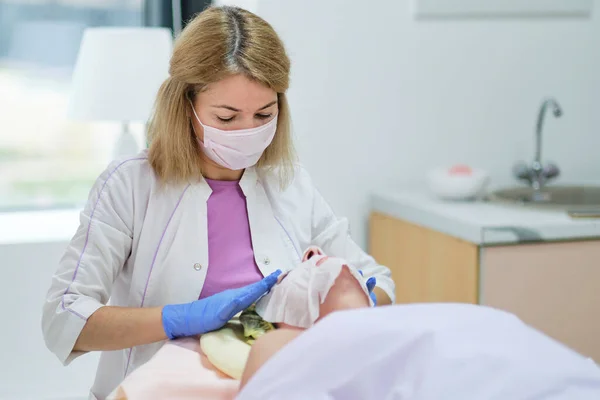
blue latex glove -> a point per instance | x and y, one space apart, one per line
212 313
371 282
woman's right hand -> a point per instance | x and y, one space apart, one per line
213 312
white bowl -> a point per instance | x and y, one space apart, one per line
449 185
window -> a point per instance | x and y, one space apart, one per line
46 160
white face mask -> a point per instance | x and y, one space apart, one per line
237 149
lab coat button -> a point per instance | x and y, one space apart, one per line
197 267
266 261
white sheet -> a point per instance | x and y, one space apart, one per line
425 351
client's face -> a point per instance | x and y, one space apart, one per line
298 297
345 294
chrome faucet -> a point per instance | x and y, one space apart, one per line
536 175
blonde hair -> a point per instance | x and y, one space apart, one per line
219 42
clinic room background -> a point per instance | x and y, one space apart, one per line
391 100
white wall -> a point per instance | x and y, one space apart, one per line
391 97
250 5
27 368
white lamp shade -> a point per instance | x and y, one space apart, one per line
118 73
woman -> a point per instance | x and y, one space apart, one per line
181 237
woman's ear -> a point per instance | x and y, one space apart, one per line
189 96
189 105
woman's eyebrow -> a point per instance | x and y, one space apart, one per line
225 106
267 105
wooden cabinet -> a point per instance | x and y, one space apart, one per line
427 266
553 286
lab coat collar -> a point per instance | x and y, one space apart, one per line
248 184
249 181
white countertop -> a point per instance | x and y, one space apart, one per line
483 223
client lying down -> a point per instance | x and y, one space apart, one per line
303 296
319 286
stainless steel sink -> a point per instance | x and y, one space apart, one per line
577 200
554 196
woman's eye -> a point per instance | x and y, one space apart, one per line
225 119
263 116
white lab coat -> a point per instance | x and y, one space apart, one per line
140 244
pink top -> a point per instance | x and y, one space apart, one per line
230 255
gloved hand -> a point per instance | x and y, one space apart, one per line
371 282
213 312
